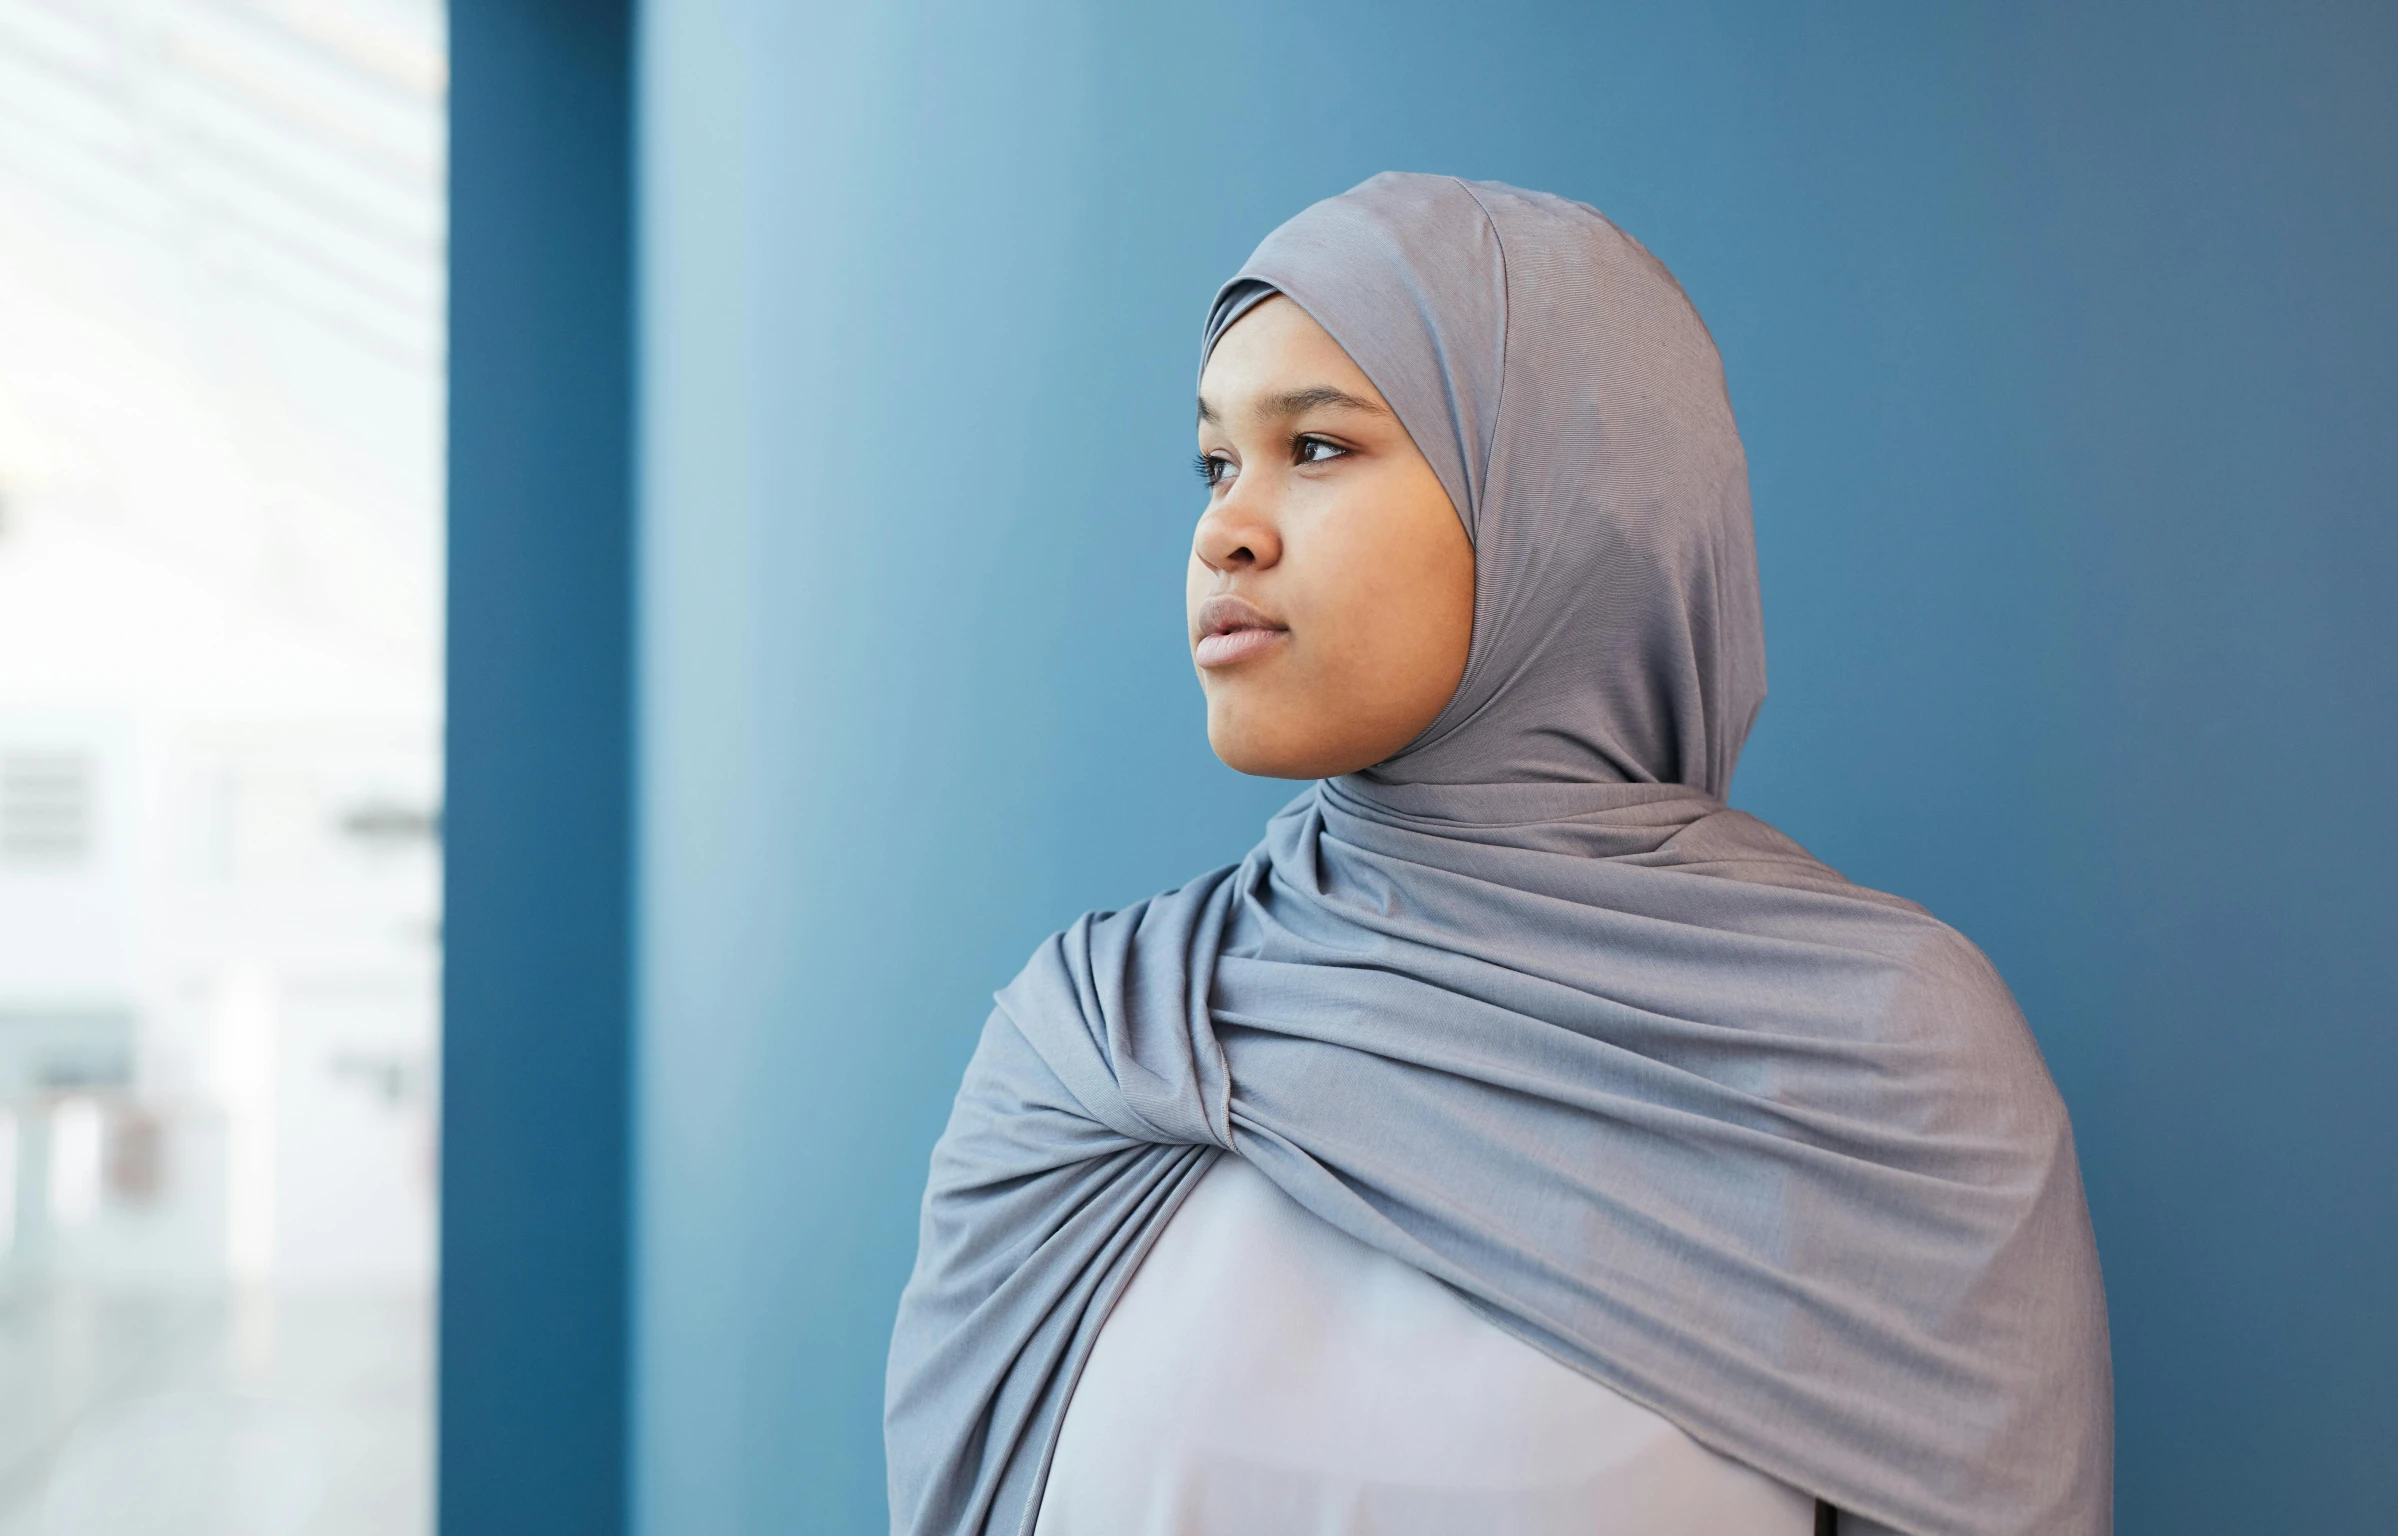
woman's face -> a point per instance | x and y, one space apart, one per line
1331 591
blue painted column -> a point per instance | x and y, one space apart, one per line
539 817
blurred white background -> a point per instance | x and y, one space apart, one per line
221 256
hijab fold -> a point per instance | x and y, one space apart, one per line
1527 1006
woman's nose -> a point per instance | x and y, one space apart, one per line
1232 538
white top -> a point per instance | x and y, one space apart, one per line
1266 1374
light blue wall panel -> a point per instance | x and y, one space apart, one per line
2062 340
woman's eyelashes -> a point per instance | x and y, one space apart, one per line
1216 470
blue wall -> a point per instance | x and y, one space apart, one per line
2064 342
537 983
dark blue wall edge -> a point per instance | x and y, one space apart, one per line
537 989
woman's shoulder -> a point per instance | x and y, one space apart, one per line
1944 974
1099 951
1734 845
1178 906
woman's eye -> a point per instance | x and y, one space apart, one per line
1315 450
1214 468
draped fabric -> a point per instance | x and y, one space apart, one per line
1526 1006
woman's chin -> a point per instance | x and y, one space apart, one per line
1255 748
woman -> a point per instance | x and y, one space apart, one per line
1599 1161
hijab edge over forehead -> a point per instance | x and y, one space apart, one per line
1243 296
1267 274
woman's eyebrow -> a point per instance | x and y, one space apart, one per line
1294 402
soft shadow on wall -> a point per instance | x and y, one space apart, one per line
2061 349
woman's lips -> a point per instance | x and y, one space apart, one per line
1222 650
1232 631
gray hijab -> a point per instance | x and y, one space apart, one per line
1526 1006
